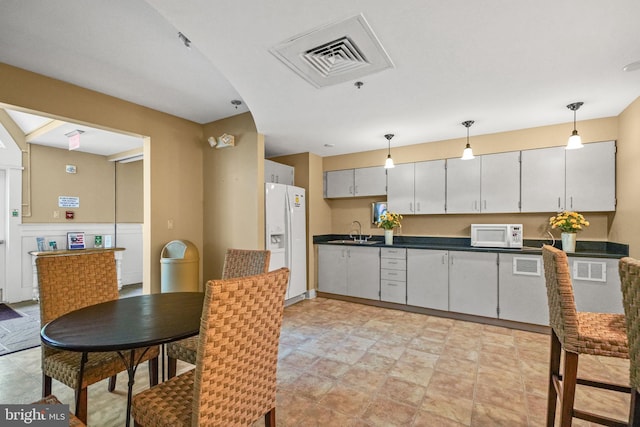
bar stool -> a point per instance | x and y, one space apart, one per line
629 269
574 333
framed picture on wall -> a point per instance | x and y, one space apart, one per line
75 240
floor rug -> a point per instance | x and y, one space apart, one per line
7 313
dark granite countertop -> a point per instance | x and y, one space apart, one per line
585 248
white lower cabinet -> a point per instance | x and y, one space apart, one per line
522 289
332 269
349 270
428 278
393 275
596 285
473 283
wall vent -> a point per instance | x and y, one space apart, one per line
335 53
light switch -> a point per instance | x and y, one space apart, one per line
170 224
56 214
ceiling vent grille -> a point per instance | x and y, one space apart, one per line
335 53
336 57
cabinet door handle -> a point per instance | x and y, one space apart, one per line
356 190
418 207
485 204
410 206
350 189
443 258
391 273
392 284
571 202
558 202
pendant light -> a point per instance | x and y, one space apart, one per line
467 154
575 141
388 164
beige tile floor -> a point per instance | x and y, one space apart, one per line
347 364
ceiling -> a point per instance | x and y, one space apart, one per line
507 65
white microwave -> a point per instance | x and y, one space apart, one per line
496 235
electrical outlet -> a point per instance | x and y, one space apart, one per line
56 214
170 224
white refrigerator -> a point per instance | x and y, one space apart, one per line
286 231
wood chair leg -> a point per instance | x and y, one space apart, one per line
554 373
81 411
112 384
172 364
634 412
46 385
568 388
270 418
153 372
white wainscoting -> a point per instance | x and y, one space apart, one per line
128 236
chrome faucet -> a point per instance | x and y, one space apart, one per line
359 230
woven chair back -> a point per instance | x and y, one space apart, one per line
70 282
235 376
629 269
563 316
245 262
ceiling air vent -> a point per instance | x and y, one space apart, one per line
335 53
338 56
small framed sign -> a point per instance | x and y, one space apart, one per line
97 241
75 240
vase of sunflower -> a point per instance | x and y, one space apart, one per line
389 221
570 223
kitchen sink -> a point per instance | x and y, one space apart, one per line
355 242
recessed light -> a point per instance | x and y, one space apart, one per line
329 145
632 67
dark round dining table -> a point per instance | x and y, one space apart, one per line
124 324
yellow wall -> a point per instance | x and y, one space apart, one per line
344 211
172 150
625 227
93 184
130 192
233 192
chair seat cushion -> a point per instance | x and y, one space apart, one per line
64 366
185 350
168 404
602 334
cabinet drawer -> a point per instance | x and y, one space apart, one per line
393 253
392 291
395 275
393 263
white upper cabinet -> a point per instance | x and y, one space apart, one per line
591 178
430 187
463 185
543 180
417 188
400 191
500 182
338 183
355 182
555 179
370 181
278 173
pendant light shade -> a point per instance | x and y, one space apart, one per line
467 154
575 141
388 164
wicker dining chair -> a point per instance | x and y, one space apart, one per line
629 270
237 263
234 381
53 400
574 333
68 283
